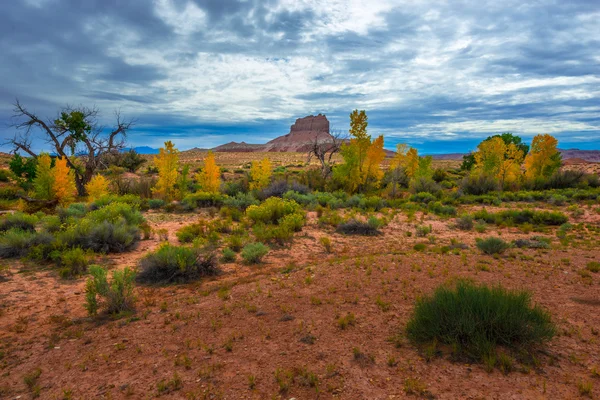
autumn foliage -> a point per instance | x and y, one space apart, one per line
97 187
64 182
543 158
167 163
210 176
260 174
362 156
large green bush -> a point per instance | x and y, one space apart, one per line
492 245
253 253
272 210
18 220
475 320
176 264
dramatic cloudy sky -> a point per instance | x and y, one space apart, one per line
439 75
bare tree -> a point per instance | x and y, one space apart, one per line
324 146
75 132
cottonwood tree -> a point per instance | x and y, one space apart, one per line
324 147
74 135
167 162
210 176
260 174
544 158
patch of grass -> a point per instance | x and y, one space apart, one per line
253 253
593 266
492 245
165 386
476 319
347 320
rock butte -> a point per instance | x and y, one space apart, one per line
302 134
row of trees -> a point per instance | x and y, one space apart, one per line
83 148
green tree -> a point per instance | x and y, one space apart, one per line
23 169
43 184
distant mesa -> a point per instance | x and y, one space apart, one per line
301 137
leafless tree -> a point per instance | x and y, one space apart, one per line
74 135
324 146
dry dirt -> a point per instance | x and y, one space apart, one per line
221 334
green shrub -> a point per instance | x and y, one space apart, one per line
424 185
75 210
9 193
423 230
533 243
474 320
478 184
176 264
235 242
272 210
492 245
101 237
72 262
355 227
423 197
228 255
156 203
117 295
439 209
188 233
419 247
253 253
464 222
279 234
18 220
518 217
593 266
131 200
241 201
18 243
202 200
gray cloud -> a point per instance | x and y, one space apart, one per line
210 69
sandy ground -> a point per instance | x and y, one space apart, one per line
231 336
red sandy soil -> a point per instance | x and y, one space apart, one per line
252 320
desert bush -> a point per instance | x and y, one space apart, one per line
117 296
279 234
356 227
101 237
423 198
533 243
439 209
202 200
476 319
478 184
228 255
241 201
156 204
188 233
170 264
279 188
563 179
492 245
326 242
439 175
235 242
51 223
234 214
593 266
75 210
72 262
464 222
133 201
20 221
253 253
18 243
423 230
272 210
424 185
9 193
517 217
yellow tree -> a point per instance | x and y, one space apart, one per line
362 158
499 158
412 162
399 159
210 176
43 183
543 158
167 163
97 187
260 174
372 172
64 182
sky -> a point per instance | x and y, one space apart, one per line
438 75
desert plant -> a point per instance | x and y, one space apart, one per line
117 295
228 255
476 319
326 242
18 220
72 262
355 227
492 245
272 210
464 222
188 233
176 264
18 243
253 253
